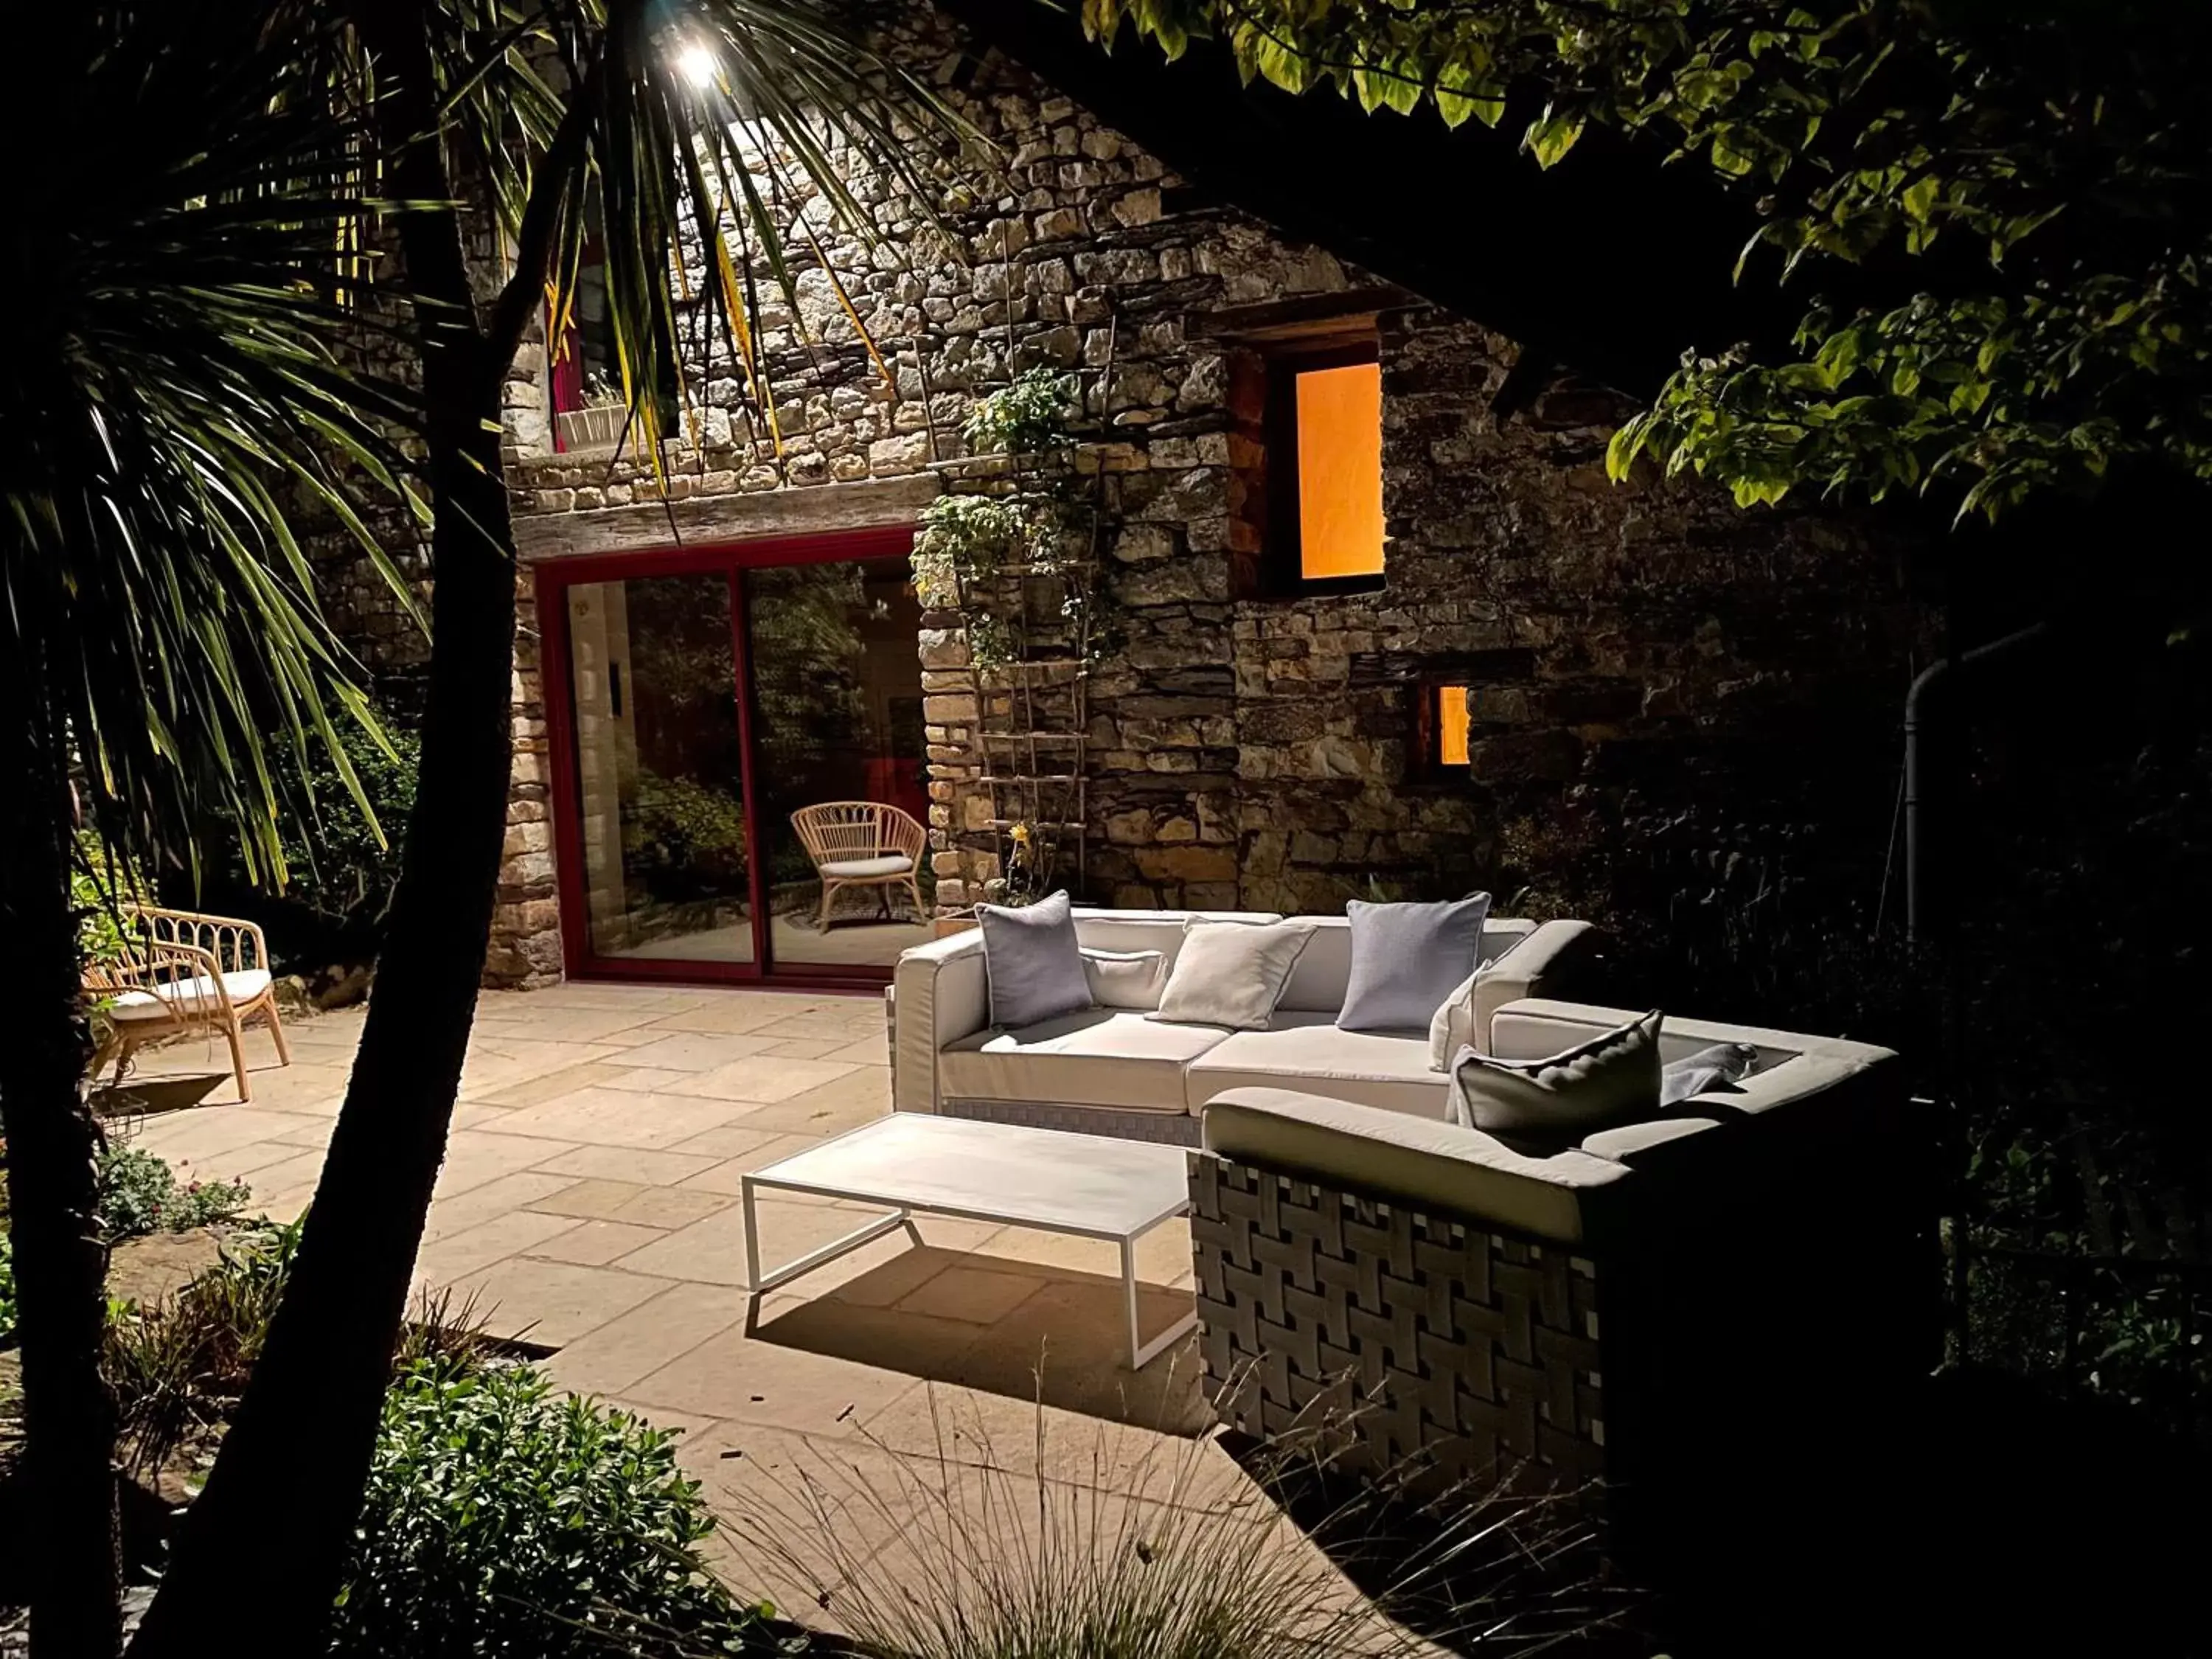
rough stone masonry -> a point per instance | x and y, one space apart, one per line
1636 655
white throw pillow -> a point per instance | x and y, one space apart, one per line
1611 1079
1124 979
1231 973
1453 1027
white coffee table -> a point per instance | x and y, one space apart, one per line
1090 1186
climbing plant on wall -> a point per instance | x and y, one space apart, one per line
1001 538
1010 551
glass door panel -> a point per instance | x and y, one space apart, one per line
659 769
837 734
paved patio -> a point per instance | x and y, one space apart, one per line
589 1203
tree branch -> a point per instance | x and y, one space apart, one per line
541 220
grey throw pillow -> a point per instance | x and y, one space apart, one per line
1032 961
1705 1070
1612 1078
1231 973
1408 960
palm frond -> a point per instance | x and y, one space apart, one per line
708 127
185 262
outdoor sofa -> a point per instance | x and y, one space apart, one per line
1110 1070
1667 1317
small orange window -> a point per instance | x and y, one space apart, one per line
1451 725
1340 471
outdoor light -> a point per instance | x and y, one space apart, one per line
699 65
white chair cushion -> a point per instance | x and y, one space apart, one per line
193 996
1099 1057
891 864
1307 1052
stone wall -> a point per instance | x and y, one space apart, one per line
1637 656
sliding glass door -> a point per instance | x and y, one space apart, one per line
659 769
837 721
738 774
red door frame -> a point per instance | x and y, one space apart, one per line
553 577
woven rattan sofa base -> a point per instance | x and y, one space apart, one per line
1677 1371
1173 1128
1417 1346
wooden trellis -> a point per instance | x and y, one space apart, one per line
1032 714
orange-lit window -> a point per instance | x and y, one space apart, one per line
1340 461
1323 521
1450 724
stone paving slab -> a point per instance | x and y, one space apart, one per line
589 1207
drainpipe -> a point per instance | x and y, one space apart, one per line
1917 710
1919 723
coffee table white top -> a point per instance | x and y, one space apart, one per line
1050 1178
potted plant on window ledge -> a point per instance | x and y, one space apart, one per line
598 424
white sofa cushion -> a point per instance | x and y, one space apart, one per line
1124 979
188 996
1099 1057
1151 929
1316 984
1388 1070
1231 974
1427 1162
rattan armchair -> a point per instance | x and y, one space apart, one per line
180 971
862 843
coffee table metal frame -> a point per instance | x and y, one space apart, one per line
904 1207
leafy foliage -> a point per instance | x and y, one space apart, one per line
2051 159
97 884
178 1366
139 1194
679 834
1008 1552
176 401
343 866
1027 417
7 1286
977 547
705 136
501 1518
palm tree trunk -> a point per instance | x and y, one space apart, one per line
261 1555
61 1261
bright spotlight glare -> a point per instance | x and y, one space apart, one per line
698 66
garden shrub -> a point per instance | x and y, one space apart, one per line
339 878
139 1194
337 868
7 1287
176 1367
97 890
501 1518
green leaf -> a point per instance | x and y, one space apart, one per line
1550 138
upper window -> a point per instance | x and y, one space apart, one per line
1325 469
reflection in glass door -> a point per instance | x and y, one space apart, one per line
837 736
659 758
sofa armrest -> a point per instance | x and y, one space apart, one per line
1543 957
941 995
1540 965
1396 1156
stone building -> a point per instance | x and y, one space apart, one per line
1557 687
